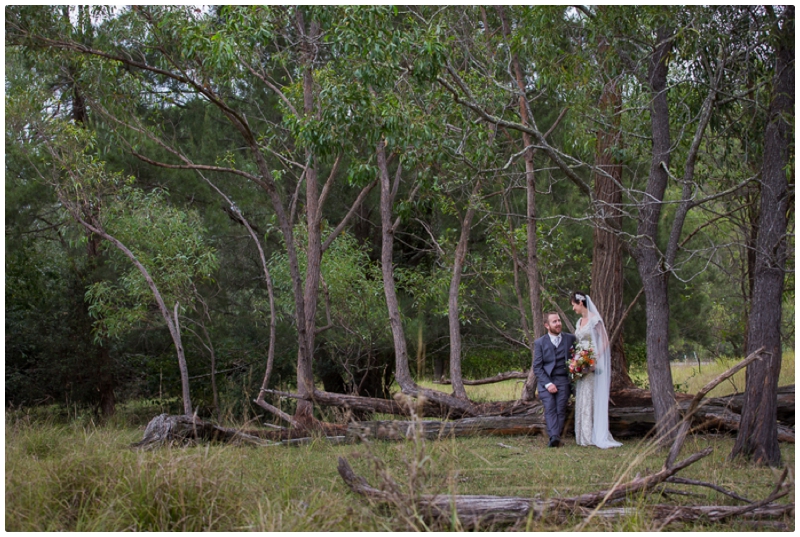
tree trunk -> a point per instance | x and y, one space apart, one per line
606 277
532 268
438 367
103 364
751 235
106 383
305 373
529 387
175 330
654 277
402 370
758 435
103 361
452 302
209 345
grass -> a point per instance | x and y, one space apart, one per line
507 390
84 478
690 377
70 475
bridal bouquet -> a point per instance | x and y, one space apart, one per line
582 361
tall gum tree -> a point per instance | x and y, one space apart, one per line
757 438
199 55
532 265
607 285
656 265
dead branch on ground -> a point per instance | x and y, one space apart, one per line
474 510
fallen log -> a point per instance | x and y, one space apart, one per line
630 411
165 429
332 440
487 510
623 423
429 403
474 510
785 404
722 419
431 430
500 377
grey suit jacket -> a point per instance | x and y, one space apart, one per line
544 356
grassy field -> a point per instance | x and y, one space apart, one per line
688 377
79 477
85 478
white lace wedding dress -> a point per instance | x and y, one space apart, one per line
592 390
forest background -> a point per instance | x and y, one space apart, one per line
351 198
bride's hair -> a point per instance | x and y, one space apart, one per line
578 297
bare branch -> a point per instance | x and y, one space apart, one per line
353 208
327 187
684 425
618 329
271 86
551 152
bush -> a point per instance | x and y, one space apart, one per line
636 354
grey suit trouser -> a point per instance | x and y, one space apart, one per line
555 405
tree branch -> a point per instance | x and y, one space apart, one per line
327 187
353 208
684 425
618 329
548 149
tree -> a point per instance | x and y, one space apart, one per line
758 437
290 117
607 262
656 265
532 265
80 182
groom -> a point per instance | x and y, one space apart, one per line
550 365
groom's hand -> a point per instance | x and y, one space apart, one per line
552 388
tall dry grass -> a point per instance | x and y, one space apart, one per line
79 477
67 474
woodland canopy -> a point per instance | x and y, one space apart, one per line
216 204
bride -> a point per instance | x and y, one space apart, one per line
592 389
